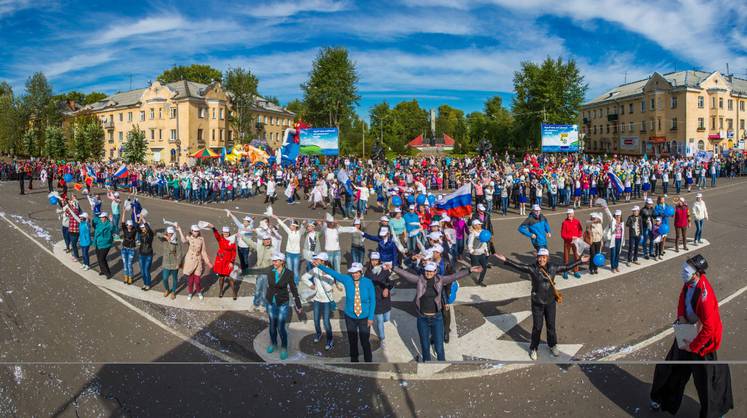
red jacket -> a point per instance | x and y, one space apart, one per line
680 216
571 228
708 339
226 255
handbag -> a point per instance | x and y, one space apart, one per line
555 292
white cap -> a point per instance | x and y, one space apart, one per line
321 256
278 256
618 212
596 215
265 236
383 231
411 207
84 215
476 222
446 218
435 223
480 206
636 207
658 219
194 228
375 255
427 203
330 218
170 230
116 194
143 225
384 219
650 201
437 248
355 267
103 215
357 221
430 266
226 229
397 210
570 211
542 251
536 208
699 195
248 218
435 235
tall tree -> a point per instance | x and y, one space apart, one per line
330 93
296 106
42 108
273 99
13 121
88 138
550 92
136 148
54 143
242 85
198 73
94 97
413 118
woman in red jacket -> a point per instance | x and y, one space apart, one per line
681 222
697 305
571 228
224 259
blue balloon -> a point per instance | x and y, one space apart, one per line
485 235
599 260
669 211
52 200
431 199
397 201
68 178
410 199
421 199
664 229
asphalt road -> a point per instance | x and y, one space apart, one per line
78 342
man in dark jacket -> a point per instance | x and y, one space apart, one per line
634 224
647 219
542 274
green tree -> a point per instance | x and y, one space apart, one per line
330 93
93 97
447 120
273 99
54 143
135 148
5 89
198 73
42 108
242 85
296 106
88 138
13 121
413 119
355 131
551 92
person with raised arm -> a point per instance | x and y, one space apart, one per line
245 228
195 260
292 246
224 259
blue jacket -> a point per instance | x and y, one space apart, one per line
368 295
84 239
660 211
412 222
387 249
102 234
539 227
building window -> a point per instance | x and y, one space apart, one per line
160 134
659 104
741 105
121 117
701 101
129 116
152 134
199 134
221 134
152 114
720 102
730 124
643 106
713 102
265 120
674 102
713 123
658 124
595 129
608 128
220 114
173 113
111 136
652 105
631 126
142 115
212 134
173 134
701 123
622 110
721 123
230 135
259 118
674 124
741 123
730 104
701 145
202 113
121 136
160 113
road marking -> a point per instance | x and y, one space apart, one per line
189 340
626 351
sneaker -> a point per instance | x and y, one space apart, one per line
270 349
189 296
533 355
565 275
199 295
173 296
554 350
317 338
283 354
331 344
655 406
166 293
577 275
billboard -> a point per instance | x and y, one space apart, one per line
559 138
630 143
319 141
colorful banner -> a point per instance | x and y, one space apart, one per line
319 141
559 138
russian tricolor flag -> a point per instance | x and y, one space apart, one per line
122 172
616 183
458 203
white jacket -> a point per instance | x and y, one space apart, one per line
322 283
699 210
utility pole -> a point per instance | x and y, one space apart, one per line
363 124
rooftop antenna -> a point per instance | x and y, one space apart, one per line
130 81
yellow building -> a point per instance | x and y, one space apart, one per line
676 113
181 117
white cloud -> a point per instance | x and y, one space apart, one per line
291 8
8 7
145 26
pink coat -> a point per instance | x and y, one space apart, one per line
196 258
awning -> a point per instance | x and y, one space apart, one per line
715 137
657 139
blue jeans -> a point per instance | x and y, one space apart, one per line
615 253
379 320
648 237
278 315
293 261
713 180
128 255
322 311
86 260
66 236
165 274
504 205
115 223
260 290
665 187
698 230
243 257
553 200
334 259
357 254
145 262
362 206
678 186
427 326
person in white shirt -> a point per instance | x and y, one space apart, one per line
270 195
245 228
478 250
322 285
292 247
700 214
332 233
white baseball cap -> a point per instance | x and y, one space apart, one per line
355 268
411 207
618 212
446 218
397 210
435 223
536 208
650 201
430 266
384 219
248 218
480 206
194 228
543 251
103 215
226 229
129 222
330 218
278 256
435 235
699 195
383 231
357 221
437 248
375 255
265 236
321 256
116 194
476 222
84 215
570 211
636 207
170 230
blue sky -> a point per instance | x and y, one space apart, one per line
458 52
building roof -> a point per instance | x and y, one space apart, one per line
184 89
687 78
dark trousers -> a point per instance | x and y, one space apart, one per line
480 260
447 320
21 178
680 234
101 254
712 382
596 247
358 329
633 248
541 314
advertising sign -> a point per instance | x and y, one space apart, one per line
559 138
630 143
319 141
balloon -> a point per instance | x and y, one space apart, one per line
52 200
68 178
431 199
599 259
669 211
664 229
421 199
410 199
485 235
397 201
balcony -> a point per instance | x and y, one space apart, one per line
108 124
701 129
612 117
